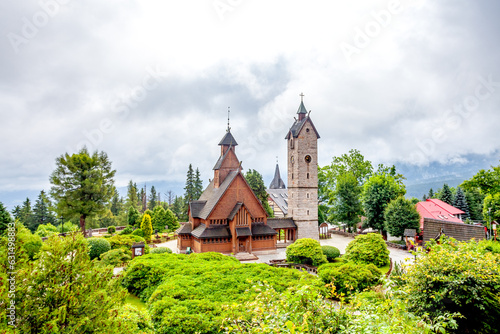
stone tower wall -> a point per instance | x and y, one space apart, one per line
303 182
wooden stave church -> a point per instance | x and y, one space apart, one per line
229 218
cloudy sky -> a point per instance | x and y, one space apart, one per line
414 82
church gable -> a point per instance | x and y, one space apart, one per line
238 192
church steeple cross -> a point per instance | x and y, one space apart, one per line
301 97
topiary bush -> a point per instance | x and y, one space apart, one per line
350 277
368 248
138 232
111 229
127 230
305 251
160 250
98 246
330 252
116 257
146 226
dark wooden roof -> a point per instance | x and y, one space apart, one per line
185 229
228 140
277 182
218 164
235 210
297 127
243 232
202 232
195 207
281 223
262 229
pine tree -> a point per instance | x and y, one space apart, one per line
159 218
41 212
431 193
153 198
172 221
26 214
198 185
190 186
5 218
134 217
475 201
132 199
446 195
116 204
461 203
16 212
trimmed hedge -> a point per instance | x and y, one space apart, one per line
368 248
127 230
116 257
330 252
350 277
160 250
139 232
111 229
305 251
98 246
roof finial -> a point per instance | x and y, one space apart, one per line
276 159
301 97
228 111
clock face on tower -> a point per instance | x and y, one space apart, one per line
307 158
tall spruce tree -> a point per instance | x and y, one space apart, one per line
178 208
431 193
256 182
153 198
461 203
16 212
446 194
26 215
198 185
5 218
189 194
132 198
41 212
116 203
475 200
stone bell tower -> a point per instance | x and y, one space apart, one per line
302 144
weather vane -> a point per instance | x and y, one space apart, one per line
228 111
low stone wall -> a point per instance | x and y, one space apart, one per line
393 245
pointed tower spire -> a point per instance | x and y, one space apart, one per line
302 109
277 182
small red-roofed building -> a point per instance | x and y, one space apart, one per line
436 209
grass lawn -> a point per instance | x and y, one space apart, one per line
135 301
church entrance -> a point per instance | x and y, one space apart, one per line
242 245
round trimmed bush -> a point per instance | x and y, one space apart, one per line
330 252
98 246
139 232
368 248
111 229
160 250
116 257
350 277
127 230
305 251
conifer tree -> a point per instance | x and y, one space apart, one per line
178 208
134 217
171 220
147 227
26 215
5 218
198 185
41 212
431 193
446 195
159 218
132 199
16 212
116 204
153 198
190 185
461 203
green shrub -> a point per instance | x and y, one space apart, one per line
47 230
127 230
98 246
160 250
126 241
491 246
305 251
456 277
139 232
116 257
146 226
32 243
330 252
111 229
369 248
350 277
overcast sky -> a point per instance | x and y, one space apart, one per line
150 82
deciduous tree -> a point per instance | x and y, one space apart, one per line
347 206
82 184
399 215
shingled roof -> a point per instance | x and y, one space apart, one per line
212 195
195 207
185 229
228 139
297 127
277 182
281 223
262 229
202 232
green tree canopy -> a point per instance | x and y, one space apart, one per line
491 209
487 181
347 206
153 198
256 182
41 212
26 215
82 184
132 197
159 218
460 202
378 191
146 226
171 220
178 208
197 185
399 215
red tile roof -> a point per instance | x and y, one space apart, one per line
437 209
